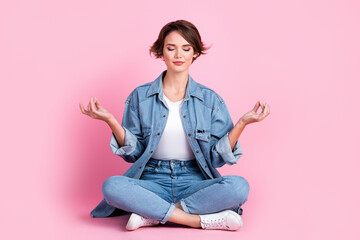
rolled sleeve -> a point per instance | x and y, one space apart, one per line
129 146
223 149
134 145
221 152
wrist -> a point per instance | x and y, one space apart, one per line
110 120
241 123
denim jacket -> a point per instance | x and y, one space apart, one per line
206 122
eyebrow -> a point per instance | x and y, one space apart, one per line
185 45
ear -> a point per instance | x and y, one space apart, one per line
196 55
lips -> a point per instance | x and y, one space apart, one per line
178 63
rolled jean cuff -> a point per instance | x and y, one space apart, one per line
169 212
183 205
238 210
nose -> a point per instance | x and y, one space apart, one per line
178 54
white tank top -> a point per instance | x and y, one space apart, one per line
173 144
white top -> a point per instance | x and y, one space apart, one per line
173 144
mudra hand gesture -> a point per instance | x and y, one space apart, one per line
253 116
96 111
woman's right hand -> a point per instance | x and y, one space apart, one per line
96 111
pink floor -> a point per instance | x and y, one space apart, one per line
273 223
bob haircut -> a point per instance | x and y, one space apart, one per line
187 30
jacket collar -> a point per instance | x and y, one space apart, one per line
192 88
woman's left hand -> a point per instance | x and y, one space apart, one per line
253 116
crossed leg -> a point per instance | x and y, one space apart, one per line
230 191
181 217
201 198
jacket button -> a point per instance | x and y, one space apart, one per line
151 151
205 166
189 134
158 134
140 167
184 116
208 137
197 151
164 116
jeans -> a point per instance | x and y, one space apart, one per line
164 183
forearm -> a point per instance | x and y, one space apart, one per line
235 132
118 130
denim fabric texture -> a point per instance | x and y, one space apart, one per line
164 183
206 122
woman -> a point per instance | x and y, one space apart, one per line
176 131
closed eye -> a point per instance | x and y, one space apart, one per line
170 49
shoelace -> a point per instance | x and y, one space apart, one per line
215 223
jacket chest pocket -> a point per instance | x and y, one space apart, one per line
146 132
202 134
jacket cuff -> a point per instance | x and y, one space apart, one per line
129 146
223 147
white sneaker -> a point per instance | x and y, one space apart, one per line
136 221
226 220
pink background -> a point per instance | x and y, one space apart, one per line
301 57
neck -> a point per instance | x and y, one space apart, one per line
175 81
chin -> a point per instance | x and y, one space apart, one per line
178 68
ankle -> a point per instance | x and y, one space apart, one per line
196 221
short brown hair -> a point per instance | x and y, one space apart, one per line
187 31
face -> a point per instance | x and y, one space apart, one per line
177 49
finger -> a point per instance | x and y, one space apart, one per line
89 107
261 104
264 112
97 103
257 105
82 108
268 109
93 105
262 107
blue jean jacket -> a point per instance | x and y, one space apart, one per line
205 118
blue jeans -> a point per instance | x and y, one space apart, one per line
164 183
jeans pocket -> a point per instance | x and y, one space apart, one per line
151 168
